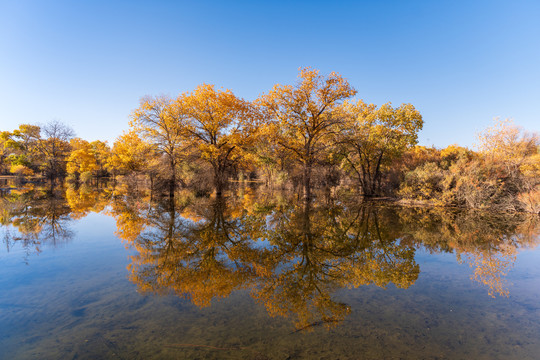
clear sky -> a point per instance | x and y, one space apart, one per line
87 63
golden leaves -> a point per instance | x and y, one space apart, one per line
304 117
129 153
82 157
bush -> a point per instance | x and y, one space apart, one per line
423 183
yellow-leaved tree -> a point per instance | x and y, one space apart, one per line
304 118
102 152
220 126
130 153
373 136
82 158
161 124
512 156
19 149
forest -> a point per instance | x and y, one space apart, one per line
313 134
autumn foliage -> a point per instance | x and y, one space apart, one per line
308 135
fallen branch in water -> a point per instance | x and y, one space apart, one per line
316 323
204 346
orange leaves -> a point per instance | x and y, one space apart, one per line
395 127
206 124
308 103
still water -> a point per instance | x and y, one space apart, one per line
257 274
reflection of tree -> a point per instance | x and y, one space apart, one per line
306 269
204 258
487 242
36 219
319 249
130 210
85 199
54 218
292 256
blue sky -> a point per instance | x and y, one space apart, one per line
87 63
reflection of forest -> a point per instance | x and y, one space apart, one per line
36 219
291 255
33 218
488 242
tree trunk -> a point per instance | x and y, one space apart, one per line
218 180
307 181
172 182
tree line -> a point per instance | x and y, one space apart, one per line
307 135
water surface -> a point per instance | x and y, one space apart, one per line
116 273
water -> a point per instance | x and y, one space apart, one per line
260 275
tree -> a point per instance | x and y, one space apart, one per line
272 161
81 159
19 148
161 124
129 154
304 118
373 136
102 152
4 150
221 127
54 148
507 142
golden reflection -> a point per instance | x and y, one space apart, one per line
318 249
291 255
204 259
487 242
86 199
130 210
294 255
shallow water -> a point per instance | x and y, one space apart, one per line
259 275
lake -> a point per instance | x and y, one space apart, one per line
121 273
